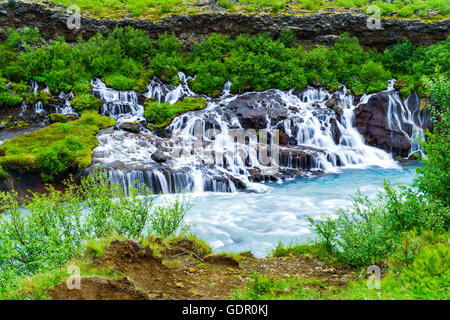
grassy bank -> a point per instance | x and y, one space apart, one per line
56 149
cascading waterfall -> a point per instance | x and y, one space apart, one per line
64 107
316 138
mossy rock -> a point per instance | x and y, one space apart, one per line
57 117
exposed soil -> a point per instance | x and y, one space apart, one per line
187 275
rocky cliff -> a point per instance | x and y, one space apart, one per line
322 27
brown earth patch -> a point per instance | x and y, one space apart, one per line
98 288
187 277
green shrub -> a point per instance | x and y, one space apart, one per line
50 228
119 82
168 221
226 4
161 114
86 101
369 231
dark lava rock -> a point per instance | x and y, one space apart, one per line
159 157
134 127
318 27
372 123
252 109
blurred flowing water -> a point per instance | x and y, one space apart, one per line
236 222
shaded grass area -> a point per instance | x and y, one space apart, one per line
57 148
161 114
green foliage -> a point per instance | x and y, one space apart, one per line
168 221
251 62
425 277
262 287
315 249
57 117
226 4
161 114
434 177
369 231
119 82
23 37
86 101
57 148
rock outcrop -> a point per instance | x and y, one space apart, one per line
323 27
383 124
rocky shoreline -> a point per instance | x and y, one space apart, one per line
319 28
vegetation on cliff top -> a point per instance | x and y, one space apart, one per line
155 9
126 59
56 149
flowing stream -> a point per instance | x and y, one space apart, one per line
237 222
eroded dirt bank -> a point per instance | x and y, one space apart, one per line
185 273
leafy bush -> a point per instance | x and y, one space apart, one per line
168 221
369 231
86 101
434 177
161 114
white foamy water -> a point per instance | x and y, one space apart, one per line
237 222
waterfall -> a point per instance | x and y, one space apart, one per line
63 106
314 138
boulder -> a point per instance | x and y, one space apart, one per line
159 156
134 127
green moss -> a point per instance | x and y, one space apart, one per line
57 117
162 114
57 148
3 173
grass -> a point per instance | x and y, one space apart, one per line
36 287
162 114
57 148
262 287
314 249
